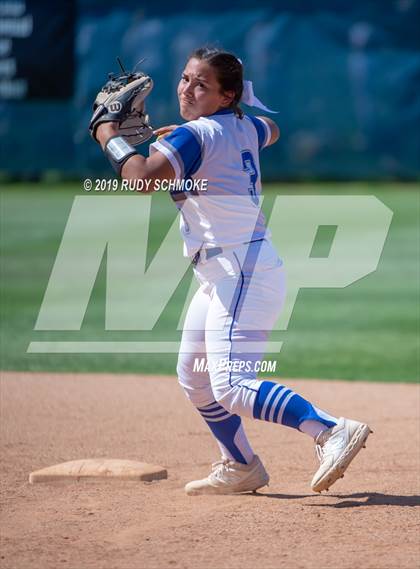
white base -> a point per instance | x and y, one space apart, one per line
99 469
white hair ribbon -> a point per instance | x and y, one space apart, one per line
250 99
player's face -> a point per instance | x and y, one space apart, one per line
199 91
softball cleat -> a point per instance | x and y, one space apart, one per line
230 477
336 447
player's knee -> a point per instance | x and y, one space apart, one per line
181 369
224 395
194 380
185 366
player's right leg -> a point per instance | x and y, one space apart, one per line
240 469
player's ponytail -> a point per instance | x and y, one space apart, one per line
228 70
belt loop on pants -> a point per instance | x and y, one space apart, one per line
206 254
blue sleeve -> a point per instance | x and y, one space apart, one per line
261 131
185 150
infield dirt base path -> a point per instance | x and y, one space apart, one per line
370 519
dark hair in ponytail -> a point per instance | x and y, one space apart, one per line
228 71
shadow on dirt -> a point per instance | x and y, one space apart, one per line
373 499
282 496
369 499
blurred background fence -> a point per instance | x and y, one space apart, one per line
344 77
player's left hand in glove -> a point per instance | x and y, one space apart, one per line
121 100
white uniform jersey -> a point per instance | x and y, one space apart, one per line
224 151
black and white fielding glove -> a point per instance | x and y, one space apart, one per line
122 100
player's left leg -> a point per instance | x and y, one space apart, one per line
240 317
243 309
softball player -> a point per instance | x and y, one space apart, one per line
241 277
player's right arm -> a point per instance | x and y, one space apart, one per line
274 129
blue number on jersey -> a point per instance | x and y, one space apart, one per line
248 165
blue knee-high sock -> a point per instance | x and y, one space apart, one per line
279 404
228 431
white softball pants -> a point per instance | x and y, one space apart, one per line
241 294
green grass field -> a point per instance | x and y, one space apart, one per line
366 331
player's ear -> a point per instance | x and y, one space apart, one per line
228 97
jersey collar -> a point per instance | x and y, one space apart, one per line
222 112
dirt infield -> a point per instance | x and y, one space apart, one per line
370 519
